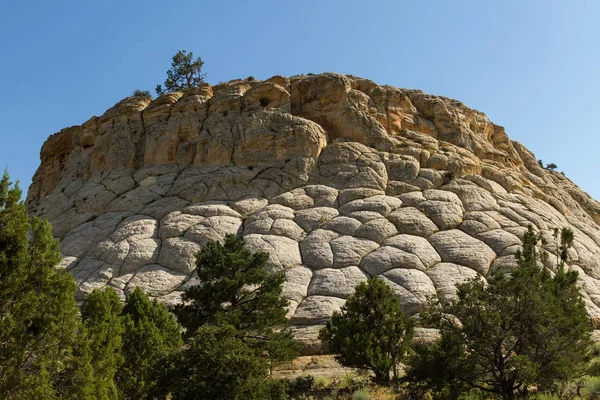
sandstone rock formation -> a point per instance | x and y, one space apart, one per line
338 178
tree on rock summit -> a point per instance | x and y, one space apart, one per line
185 73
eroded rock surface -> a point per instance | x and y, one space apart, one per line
338 178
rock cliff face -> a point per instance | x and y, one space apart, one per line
338 178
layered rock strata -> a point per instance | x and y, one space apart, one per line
337 178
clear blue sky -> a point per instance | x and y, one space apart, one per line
531 65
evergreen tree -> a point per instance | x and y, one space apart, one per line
185 73
217 364
523 329
235 289
38 313
370 331
151 335
103 333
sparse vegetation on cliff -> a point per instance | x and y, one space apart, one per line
142 93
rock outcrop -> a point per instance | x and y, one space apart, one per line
338 178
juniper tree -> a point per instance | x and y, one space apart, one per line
217 364
38 313
236 289
150 335
370 331
527 328
103 340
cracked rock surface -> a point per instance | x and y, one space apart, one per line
337 178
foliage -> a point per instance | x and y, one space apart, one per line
370 331
322 382
185 73
361 395
520 330
594 369
216 365
278 389
103 329
151 335
354 383
237 290
551 166
541 163
592 388
449 176
303 383
142 93
38 313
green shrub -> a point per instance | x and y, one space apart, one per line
361 395
546 396
141 93
592 388
370 332
279 389
250 78
303 383
596 350
354 383
594 368
474 395
151 335
321 383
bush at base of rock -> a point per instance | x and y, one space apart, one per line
370 331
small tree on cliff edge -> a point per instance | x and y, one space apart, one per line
185 73
520 330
